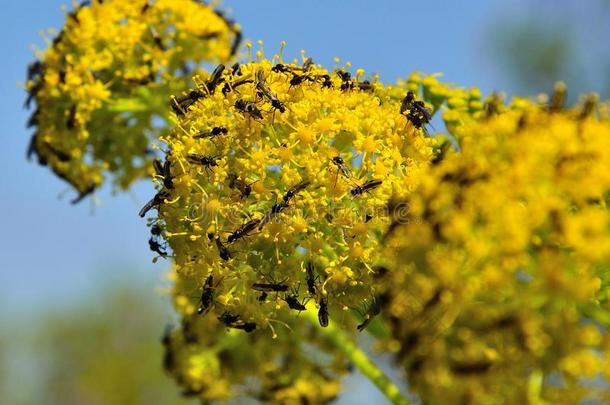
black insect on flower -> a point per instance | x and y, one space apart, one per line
248 108
230 86
224 252
346 79
164 171
215 78
265 92
310 277
233 321
157 200
180 105
293 191
292 299
208 162
416 111
211 133
323 312
270 287
207 296
245 189
367 186
366 86
243 230
156 247
372 311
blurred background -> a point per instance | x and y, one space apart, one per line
82 305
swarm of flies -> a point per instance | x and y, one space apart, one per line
302 74
291 297
416 111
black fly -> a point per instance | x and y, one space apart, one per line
207 296
245 189
292 192
156 247
180 105
212 133
243 230
311 279
232 321
270 287
223 251
366 86
208 162
264 91
282 205
416 111
232 86
346 79
154 202
368 185
249 108
215 78
293 302
163 170
341 166
373 310
323 312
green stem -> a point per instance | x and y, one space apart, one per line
358 358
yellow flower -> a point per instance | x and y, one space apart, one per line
294 190
101 87
514 237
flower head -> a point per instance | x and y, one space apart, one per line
100 85
497 271
280 175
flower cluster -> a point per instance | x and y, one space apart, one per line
496 277
215 364
275 187
101 87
